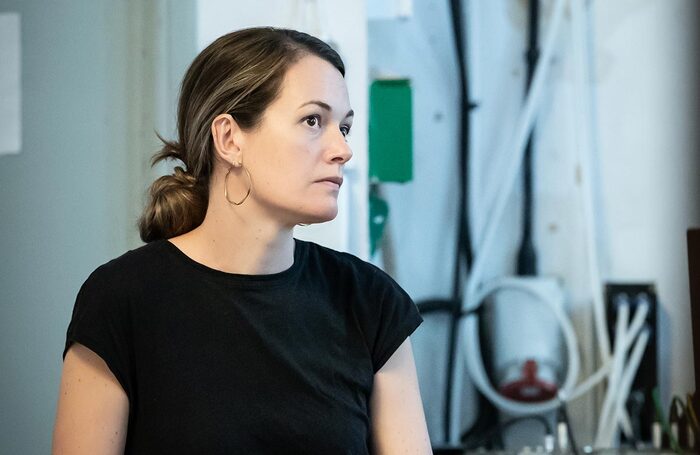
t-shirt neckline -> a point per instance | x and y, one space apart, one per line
240 279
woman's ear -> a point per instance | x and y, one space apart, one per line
227 137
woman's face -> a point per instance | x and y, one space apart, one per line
301 144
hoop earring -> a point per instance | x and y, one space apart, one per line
250 185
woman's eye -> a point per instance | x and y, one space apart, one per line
313 120
345 130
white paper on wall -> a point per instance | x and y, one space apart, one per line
10 94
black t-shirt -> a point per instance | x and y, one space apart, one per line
215 362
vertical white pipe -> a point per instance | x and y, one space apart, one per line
583 116
615 373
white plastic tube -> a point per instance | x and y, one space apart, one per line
563 437
584 141
475 363
640 316
635 327
517 145
615 372
623 341
626 384
590 382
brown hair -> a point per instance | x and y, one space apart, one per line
241 74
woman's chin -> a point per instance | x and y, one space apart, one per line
321 216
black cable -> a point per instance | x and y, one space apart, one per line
463 253
434 306
527 257
441 306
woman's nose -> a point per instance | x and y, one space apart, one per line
339 149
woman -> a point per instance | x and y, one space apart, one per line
224 333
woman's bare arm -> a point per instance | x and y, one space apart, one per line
398 421
93 409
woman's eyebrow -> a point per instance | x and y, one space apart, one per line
326 107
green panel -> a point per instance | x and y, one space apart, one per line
390 131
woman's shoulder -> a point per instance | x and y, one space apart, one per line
130 264
334 261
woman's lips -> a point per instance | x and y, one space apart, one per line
333 182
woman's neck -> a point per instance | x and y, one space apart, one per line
234 245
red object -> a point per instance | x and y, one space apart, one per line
529 388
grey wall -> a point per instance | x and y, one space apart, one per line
61 198
67 202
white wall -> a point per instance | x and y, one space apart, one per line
647 110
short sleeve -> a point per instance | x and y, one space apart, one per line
100 321
396 317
